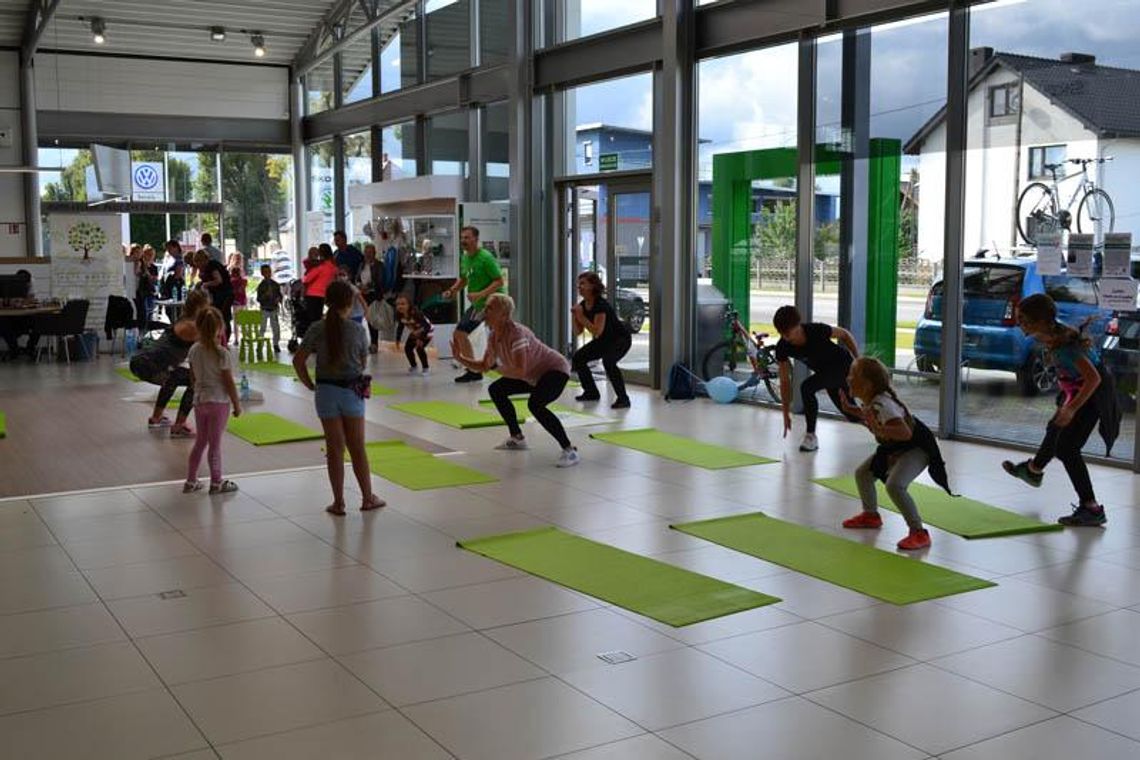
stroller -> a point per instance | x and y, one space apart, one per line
298 318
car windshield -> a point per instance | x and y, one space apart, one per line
998 282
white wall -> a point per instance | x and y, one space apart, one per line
11 185
160 87
1118 177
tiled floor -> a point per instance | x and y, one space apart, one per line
137 622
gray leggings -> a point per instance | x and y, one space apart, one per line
908 467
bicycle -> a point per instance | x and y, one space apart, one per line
1038 209
723 358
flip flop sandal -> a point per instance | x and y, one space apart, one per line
375 503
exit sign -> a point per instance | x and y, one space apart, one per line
608 162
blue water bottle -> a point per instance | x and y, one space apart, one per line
132 341
244 388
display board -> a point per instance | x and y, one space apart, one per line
493 220
87 260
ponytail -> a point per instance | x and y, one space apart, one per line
338 297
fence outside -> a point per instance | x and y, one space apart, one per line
780 274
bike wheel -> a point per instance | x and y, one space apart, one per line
1036 207
723 359
1096 210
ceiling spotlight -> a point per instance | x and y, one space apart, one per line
98 31
258 42
218 33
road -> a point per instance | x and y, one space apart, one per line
825 306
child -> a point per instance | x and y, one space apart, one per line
212 375
906 448
238 282
419 333
269 299
359 305
1087 398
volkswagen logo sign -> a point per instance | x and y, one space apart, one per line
146 178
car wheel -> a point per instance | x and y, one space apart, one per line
924 363
1036 376
636 318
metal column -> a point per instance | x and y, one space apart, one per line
805 176
29 139
340 210
300 173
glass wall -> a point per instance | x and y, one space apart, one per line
357 171
320 88
400 56
610 125
1048 163
448 37
447 143
321 178
71 183
356 68
257 191
496 153
494 31
581 18
398 146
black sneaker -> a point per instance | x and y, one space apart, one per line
621 403
469 377
1084 517
587 397
1021 471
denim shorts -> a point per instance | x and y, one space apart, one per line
334 401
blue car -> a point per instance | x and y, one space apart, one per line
991 338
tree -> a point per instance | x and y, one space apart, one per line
775 235
72 185
86 237
908 232
252 186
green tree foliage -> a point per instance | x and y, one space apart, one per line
255 187
775 236
72 185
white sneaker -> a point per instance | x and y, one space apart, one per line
426 372
512 444
809 443
412 370
569 458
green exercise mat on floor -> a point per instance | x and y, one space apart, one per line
959 515
126 374
493 375
520 405
269 368
265 428
666 593
383 390
681 449
450 413
3 426
884 575
419 470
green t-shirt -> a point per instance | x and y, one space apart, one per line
479 269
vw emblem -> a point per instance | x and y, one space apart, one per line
146 178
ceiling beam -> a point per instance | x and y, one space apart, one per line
312 54
40 14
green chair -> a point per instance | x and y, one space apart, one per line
253 346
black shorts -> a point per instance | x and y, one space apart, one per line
470 321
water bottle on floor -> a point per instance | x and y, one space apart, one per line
132 342
243 390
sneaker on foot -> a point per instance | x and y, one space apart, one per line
587 397
568 458
181 432
412 370
917 539
469 377
1021 471
426 372
226 486
621 403
1084 517
864 519
161 423
512 444
809 443
190 486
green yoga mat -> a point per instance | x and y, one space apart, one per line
523 412
126 374
418 470
874 572
449 413
3 426
681 449
493 375
265 428
961 516
270 368
668 594
383 390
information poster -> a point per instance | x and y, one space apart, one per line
1117 254
493 220
1080 257
87 261
1049 258
1118 294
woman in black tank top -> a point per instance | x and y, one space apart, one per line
161 365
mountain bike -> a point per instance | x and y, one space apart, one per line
741 349
1038 206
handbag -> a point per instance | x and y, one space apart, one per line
362 386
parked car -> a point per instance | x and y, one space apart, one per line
631 309
991 338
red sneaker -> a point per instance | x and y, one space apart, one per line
917 539
864 520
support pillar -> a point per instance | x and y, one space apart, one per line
29 138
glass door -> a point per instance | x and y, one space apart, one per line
627 271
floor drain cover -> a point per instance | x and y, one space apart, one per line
175 594
616 658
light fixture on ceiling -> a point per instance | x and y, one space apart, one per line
258 42
218 33
98 31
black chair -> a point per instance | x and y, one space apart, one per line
120 316
70 321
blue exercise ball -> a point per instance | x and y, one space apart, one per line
721 389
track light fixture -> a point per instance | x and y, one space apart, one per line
258 42
98 31
218 33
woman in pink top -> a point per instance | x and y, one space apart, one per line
527 366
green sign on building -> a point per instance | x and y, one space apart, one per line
608 162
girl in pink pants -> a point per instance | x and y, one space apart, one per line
212 375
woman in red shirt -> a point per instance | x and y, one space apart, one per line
316 282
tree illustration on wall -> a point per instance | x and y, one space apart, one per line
86 237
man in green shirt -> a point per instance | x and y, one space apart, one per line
478 272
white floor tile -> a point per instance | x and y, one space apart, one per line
528 720
644 747
748 621
930 709
125 526
72 675
1117 714
281 558
334 587
1105 581
60 628
1025 606
433 572
722 563
1116 635
386 622
143 578
128 550
922 630
226 650
232 539
788 729
135 726
34 560
379 736
57 509
506 602
673 687
279 699
43 591
1059 739
438 668
808 597
199 608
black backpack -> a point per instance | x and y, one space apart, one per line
682 383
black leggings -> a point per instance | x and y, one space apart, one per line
167 379
413 347
225 305
610 352
314 310
830 380
549 388
1065 443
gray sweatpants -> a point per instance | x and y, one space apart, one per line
908 467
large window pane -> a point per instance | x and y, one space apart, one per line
581 18
319 89
69 184
496 153
193 176
357 171
398 143
356 71
399 54
448 37
1046 113
447 143
494 31
257 188
321 198
611 125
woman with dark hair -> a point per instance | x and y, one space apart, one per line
611 342
1087 397
214 278
146 288
341 347
317 280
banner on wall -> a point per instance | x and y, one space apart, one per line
493 220
87 260
147 181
